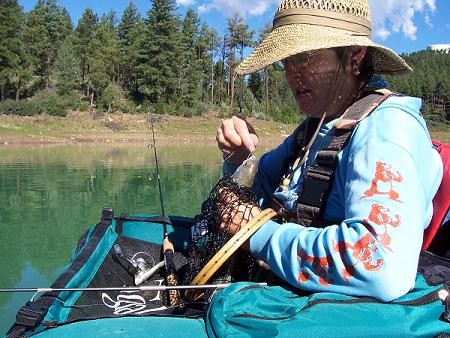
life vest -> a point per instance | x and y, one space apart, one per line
318 179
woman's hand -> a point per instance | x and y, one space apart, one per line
236 139
234 213
238 217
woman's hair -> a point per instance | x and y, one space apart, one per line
365 69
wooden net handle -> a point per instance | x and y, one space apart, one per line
232 245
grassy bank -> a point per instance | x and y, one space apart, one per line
79 127
126 128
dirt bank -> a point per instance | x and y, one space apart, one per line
122 128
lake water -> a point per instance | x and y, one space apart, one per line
50 195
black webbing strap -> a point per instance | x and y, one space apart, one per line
30 316
318 179
150 219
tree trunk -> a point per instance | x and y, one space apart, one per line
233 78
229 81
221 86
83 71
47 75
231 72
17 93
212 81
92 100
241 83
266 90
2 93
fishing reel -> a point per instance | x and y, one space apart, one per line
137 267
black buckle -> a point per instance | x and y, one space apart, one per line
107 216
31 315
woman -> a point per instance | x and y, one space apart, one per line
380 202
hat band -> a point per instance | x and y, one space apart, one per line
320 17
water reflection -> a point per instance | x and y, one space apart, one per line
49 195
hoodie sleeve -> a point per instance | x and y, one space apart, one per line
375 249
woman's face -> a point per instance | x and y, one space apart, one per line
311 77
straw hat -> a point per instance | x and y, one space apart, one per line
305 25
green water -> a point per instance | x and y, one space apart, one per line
50 194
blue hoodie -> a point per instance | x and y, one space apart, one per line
380 202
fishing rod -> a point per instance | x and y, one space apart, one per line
158 178
168 249
126 288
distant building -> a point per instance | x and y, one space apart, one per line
443 47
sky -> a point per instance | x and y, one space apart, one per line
402 25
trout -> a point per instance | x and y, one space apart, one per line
243 176
246 172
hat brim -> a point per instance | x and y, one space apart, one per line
292 39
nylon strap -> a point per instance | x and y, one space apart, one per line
319 178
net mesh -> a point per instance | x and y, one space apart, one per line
227 207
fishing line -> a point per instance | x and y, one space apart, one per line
161 201
206 181
208 174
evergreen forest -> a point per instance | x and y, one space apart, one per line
164 63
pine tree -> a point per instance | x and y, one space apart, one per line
67 67
232 43
255 84
190 72
11 51
86 27
104 47
208 47
46 28
245 39
158 59
263 33
130 30
240 37
221 69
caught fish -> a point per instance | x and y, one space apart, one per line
243 176
246 172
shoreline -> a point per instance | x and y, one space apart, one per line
85 128
79 128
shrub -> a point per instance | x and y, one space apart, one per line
84 106
286 114
127 106
113 99
50 103
161 107
22 108
11 107
196 110
145 108
72 101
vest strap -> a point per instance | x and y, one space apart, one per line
319 177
